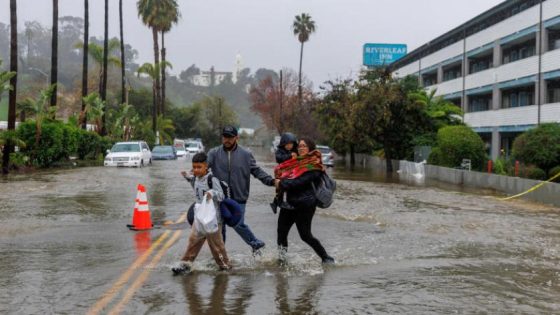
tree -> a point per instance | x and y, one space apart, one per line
149 11
337 114
169 16
123 81
303 27
539 146
41 110
54 52
153 72
12 76
105 64
441 112
387 114
85 61
97 54
186 75
95 111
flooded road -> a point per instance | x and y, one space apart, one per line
399 249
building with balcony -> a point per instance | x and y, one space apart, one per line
501 67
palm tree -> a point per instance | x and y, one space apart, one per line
148 11
9 147
165 127
54 51
303 27
153 72
97 53
94 111
169 16
86 59
123 82
41 110
105 63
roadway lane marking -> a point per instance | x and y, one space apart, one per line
144 275
116 288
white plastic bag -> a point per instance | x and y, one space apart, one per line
205 219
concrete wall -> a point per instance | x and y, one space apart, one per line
548 193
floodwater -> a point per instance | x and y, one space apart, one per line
399 247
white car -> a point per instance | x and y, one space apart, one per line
194 147
133 153
180 147
326 154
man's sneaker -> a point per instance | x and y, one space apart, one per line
286 205
328 260
181 268
257 248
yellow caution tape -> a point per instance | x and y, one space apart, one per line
539 185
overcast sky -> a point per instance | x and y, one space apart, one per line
212 32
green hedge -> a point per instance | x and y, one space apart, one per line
455 143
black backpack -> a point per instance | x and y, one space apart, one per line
223 184
324 191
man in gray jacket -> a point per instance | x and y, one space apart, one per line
234 165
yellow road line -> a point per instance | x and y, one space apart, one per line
117 286
144 275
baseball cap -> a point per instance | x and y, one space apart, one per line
229 131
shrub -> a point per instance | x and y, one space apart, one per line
539 146
88 144
555 170
56 143
455 143
534 172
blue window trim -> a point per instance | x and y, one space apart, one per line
452 95
514 36
479 90
551 75
518 82
552 22
479 50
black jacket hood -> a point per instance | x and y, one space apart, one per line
286 138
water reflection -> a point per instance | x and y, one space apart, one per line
218 301
303 303
142 241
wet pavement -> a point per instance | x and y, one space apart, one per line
400 248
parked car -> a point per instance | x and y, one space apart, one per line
194 147
180 147
133 153
327 155
164 152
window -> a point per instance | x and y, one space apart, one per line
521 96
479 103
452 72
477 64
429 79
519 51
553 39
553 91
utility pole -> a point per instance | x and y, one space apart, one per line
281 103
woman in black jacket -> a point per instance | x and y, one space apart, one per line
301 196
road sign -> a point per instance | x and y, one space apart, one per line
376 55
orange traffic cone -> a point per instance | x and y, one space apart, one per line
141 219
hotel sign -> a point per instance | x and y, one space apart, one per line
376 55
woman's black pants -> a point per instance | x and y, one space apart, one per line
302 218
